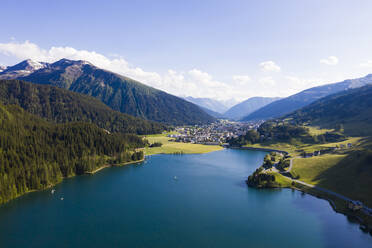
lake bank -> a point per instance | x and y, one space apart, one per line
260 149
114 165
338 202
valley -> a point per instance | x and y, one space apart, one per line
206 124
319 154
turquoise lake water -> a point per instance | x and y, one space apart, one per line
207 205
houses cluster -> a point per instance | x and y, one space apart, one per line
326 150
213 134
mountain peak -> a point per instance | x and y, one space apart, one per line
27 65
23 68
68 62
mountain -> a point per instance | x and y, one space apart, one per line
36 154
61 106
350 109
2 68
21 69
246 107
212 113
208 103
118 92
289 104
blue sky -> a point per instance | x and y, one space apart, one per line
219 49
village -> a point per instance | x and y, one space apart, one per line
213 134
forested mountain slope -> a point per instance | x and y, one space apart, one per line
61 106
350 110
35 154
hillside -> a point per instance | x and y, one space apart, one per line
36 154
61 106
325 157
246 107
350 110
118 92
304 98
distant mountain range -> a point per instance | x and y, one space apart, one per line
211 104
350 108
230 109
212 113
289 104
118 92
248 106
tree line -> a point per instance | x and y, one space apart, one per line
280 131
61 106
35 154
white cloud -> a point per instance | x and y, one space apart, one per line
269 66
297 84
331 60
241 80
267 82
367 64
193 82
190 83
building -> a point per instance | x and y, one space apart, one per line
355 205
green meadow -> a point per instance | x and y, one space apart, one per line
169 146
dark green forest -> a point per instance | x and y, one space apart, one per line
36 154
61 106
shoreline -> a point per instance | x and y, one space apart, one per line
258 149
113 165
362 218
339 206
63 178
182 153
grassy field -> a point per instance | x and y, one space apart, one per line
284 181
347 174
347 171
171 147
296 148
317 131
275 146
312 169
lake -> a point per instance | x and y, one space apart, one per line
188 201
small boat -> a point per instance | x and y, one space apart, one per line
62 198
53 190
175 178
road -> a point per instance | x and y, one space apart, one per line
291 164
365 209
